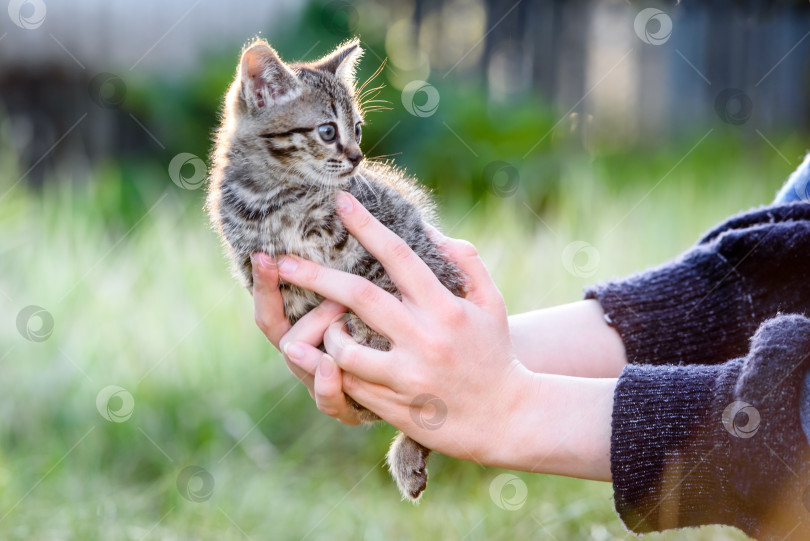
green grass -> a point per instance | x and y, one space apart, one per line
149 306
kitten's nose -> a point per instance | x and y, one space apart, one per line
354 155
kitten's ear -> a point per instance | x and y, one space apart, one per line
266 80
342 61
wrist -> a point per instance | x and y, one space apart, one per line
556 424
521 402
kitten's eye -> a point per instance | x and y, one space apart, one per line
327 132
358 132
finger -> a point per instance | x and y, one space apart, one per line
268 306
329 395
479 286
310 328
304 356
297 344
380 399
413 278
364 362
381 310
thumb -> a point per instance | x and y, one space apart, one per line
268 306
479 287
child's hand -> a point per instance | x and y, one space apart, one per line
450 380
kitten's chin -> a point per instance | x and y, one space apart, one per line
340 177
331 179
343 180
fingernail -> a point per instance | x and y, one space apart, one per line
287 264
327 365
261 259
294 351
344 202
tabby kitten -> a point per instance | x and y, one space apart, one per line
289 140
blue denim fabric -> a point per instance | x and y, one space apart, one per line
797 187
804 406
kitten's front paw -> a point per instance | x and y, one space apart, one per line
365 416
408 466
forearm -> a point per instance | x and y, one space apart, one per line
571 339
560 425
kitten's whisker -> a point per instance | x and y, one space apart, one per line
381 104
312 185
323 194
370 99
373 75
385 159
368 184
324 178
376 89
368 96
376 109
286 173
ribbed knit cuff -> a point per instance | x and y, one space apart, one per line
666 432
689 311
723 444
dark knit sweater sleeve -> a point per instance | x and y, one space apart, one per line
706 423
717 444
703 306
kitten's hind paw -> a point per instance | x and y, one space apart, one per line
407 462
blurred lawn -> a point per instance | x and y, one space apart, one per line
148 305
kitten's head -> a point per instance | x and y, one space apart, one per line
299 118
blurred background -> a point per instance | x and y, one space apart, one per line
572 142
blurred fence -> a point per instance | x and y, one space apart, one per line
628 74
638 71
66 67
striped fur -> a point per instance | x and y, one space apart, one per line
273 184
